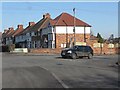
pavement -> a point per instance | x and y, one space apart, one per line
52 71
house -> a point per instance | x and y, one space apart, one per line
52 33
22 37
4 36
63 26
34 34
10 38
58 32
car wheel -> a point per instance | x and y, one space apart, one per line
63 56
74 56
90 56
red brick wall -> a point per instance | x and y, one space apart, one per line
104 49
45 50
58 51
61 38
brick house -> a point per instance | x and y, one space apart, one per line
56 33
63 27
52 33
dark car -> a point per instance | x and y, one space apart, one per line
77 51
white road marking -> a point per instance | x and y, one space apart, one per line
60 81
57 78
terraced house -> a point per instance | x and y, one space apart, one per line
53 33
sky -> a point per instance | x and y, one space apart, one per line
102 16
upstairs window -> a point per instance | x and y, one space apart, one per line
30 33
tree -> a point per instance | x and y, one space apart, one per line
91 33
100 39
111 38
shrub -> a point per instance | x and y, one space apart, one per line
11 47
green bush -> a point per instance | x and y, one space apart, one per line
11 47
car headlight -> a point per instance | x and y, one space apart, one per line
69 51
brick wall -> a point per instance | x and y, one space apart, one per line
104 49
58 51
61 38
45 50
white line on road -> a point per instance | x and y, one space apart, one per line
57 78
60 81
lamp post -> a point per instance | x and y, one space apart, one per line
66 34
74 26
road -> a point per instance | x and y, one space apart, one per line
52 71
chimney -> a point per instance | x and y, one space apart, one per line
11 28
31 23
20 26
47 15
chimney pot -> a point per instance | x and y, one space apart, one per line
47 15
20 26
11 28
31 23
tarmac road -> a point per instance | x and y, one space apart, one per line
28 77
52 71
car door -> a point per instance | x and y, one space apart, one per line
80 51
86 50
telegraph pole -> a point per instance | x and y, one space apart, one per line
84 34
74 26
66 35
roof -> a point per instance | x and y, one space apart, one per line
38 25
93 37
58 21
15 32
5 34
61 20
10 33
68 19
25 30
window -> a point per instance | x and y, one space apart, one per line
35 33
35 44
80 48
86 49
30 33
22 37
50 36
63 45
75 47
30 45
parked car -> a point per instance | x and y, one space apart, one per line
77 51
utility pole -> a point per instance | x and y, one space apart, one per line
84 34
74 26
66 35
